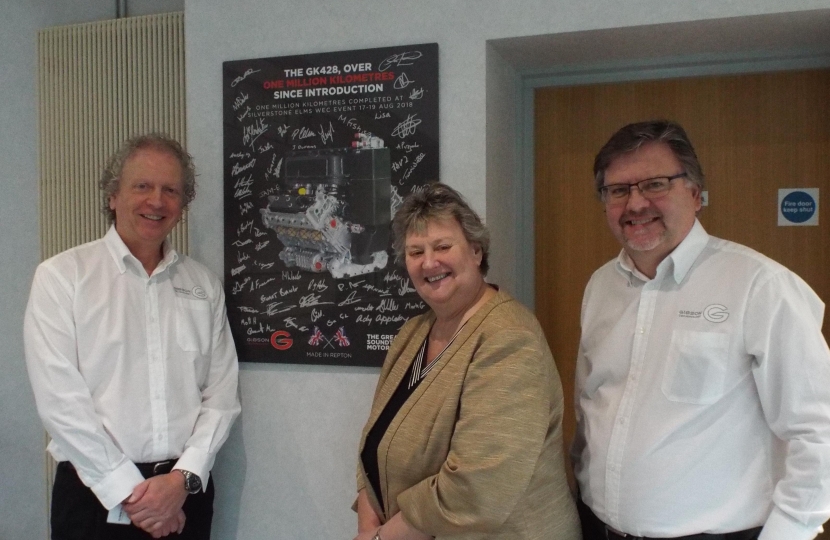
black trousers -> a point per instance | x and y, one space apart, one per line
77 514
594 529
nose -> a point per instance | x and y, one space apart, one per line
635 199
155 197
429 260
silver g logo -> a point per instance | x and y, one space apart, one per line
715 313
199 292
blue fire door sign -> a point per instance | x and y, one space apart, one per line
797 207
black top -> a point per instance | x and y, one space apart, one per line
369 455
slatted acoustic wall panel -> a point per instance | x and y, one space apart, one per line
99 84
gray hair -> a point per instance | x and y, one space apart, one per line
631 137
438 201
111 177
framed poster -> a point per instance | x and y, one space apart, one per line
319 151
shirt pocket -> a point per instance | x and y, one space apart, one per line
194 325
697 367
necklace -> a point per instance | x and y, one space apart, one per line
419 371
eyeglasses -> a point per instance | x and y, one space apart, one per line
650 188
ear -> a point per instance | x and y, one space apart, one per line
697 194
112 202
478 253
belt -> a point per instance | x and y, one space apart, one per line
594 528
147 470
613 534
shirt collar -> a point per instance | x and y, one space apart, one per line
679 261
121 253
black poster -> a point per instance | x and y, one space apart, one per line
319 152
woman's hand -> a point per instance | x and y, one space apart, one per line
367 535
367 519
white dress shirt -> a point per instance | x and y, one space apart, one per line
703 396
128 368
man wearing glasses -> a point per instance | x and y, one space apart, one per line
703 379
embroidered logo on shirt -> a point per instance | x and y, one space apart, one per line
716 313
196 292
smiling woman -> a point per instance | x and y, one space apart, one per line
465 434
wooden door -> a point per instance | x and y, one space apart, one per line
753 134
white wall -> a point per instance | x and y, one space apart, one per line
286 472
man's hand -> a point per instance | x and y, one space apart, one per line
176 524
156 504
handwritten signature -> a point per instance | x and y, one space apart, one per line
401 82
237 168
351 299
402 59
302 133
248 72
244 227
277 307
240 101
311 300
253 131
405 288
326 135
407 127
244 114
243 187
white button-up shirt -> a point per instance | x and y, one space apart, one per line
129 368
703 396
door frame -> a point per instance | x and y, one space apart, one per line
600 73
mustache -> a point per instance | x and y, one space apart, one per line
645 214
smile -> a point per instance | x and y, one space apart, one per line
640 221
152 217
433 279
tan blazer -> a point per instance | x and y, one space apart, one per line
476 451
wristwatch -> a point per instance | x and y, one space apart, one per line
192 482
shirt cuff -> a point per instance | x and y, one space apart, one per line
195 461
780 525
117 485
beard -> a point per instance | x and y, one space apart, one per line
643 239
644 242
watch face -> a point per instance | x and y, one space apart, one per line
192 483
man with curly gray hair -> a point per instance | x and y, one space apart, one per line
132 362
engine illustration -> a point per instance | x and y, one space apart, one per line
333 208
